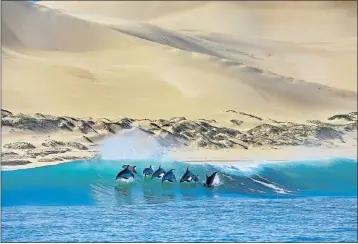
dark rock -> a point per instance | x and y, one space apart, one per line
230 111
107 126
351 127
90 122
202 143
88 139
184 126
42 153
252 116
5 113
171 139
52 159
65 125
127 120
67 121
9 155
177 119
146 131
220 137
19 145
212 134
154 126
265 129
208 120
341 116
30 123
228 131
53 143
15 162
77 145
85 127
237 122
188 134
163 122
125 123
40 115
327 133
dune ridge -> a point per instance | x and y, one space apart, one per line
155 60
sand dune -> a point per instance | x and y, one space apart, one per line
312 41
131 10
33 27
287 21
111 60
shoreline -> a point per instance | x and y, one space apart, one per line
218 162
266 157
39 140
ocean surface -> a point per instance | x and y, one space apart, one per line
298 201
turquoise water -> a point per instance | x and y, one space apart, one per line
301 201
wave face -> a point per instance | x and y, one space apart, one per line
92 182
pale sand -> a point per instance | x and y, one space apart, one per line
38 140
283 61
223 156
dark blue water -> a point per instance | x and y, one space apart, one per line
310 201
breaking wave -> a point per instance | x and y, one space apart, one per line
92 182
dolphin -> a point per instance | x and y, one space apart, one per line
169 176
148 171
195 177
125 173
186 176
132 168
210 180
158 173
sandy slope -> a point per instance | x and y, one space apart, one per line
304 40
131 10
285 21
31 27
286 61
77 67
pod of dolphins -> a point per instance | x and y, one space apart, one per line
128 171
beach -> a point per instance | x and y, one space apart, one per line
179 121
38 140
85 64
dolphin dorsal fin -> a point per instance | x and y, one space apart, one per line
150 166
